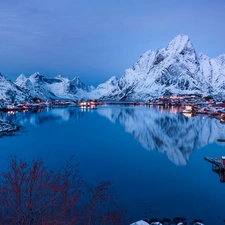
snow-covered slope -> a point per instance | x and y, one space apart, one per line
10 91
104 89
173 134
176 69
6 126
53 88
218 71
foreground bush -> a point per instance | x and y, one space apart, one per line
31 194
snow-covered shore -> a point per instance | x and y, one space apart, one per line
7 127
142 222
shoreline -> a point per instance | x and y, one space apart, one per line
7 128
167 221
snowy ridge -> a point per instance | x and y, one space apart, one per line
11 91
173 134
105 88
176 69
53 88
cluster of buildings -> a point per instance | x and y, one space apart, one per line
38 104
190 104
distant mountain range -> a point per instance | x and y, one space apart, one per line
11 91
176 69
53 88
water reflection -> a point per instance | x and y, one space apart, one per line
165 130
173 134
37 117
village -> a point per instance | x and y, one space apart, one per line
189 105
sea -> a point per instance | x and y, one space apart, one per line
153 155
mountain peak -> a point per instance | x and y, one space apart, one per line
21 76
1 75
179 43
35 74
20 79
76 79
113 80
221 59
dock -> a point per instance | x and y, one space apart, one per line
215 161
218 166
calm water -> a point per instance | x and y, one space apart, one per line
155 158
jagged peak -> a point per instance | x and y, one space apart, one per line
179 43
1 75
79 84
35 74
60 77
77 81
20 79
112 81
113 78
200 54
221 58
21 76
148 53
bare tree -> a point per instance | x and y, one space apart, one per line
31 194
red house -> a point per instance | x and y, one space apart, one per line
222 178
223 161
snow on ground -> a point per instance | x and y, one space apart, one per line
141 222
6 126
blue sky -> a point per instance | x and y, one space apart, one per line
96 39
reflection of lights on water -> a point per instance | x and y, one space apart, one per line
188 115
188 107
174 110
12 112
89 107
171 109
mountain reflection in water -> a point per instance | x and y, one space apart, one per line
166 131
37 117
173 134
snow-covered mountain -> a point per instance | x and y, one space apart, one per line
104 89
176 69
53 88
172 134
11 91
